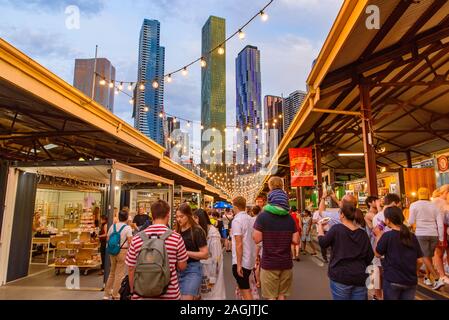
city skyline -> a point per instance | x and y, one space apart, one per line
290 40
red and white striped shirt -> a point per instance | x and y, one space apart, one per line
176 251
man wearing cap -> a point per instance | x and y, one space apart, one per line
429 230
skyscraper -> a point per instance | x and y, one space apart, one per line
84 74
291 107
213 80
151 67
273 110
248 94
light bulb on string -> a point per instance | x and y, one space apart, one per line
263 16
169 78
241 34
130 87
102 82
203 63
161 115
111 84
221 50
185 72
120 87
142 86
188 124
145 109
155 84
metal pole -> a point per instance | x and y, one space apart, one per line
319 173
94 78
110 213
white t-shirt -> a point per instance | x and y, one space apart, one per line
126 232
379 220
428 219
333 213
242 225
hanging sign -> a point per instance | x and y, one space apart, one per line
301 167
443 164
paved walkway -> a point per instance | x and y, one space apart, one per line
310 283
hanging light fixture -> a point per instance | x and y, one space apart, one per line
130 87
185 72
263 16
203 63
169 78
241 34
120 87
155 84
142 86
102 82
221 50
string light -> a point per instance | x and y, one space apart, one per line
161 115
155 84
142 87
169 78
111 84
145 109
203 63
120 87
102 82
263 16
130 87
185 72
221 50
131 101
241 34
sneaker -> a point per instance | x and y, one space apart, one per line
438 284
427 282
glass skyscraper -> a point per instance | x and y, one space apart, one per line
151 67
249 94
291 107
213 81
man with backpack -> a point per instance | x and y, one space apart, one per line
118 240
154 256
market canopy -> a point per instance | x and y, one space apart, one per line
43 118
402 68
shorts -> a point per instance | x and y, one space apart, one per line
306 238
243 283
224 233
276 283
190 279
428 245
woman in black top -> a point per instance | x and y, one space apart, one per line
103 236
402 251
351 254
196 245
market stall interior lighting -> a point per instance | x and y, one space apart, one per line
351 154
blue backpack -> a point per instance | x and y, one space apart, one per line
114 246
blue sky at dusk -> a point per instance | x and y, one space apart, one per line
289 40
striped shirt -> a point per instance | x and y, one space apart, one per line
277 232
176 251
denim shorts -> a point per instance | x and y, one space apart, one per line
190 279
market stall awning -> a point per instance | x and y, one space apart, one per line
404 66
95 171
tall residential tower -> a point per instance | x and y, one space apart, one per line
150 101
213 81
249 95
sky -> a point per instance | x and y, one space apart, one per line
289 41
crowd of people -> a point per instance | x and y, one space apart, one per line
378 249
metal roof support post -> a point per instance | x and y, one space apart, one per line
368 143
110 213
318 170
409 159
171 201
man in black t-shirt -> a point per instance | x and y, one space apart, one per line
142 220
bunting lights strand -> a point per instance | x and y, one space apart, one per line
184 70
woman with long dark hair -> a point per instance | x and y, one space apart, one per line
196 244
213 285
401 251
351 255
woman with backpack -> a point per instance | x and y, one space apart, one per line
213 285
118 241
196 244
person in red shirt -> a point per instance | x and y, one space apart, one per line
174 244
296 248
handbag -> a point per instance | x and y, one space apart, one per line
125 290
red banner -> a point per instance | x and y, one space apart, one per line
301 167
